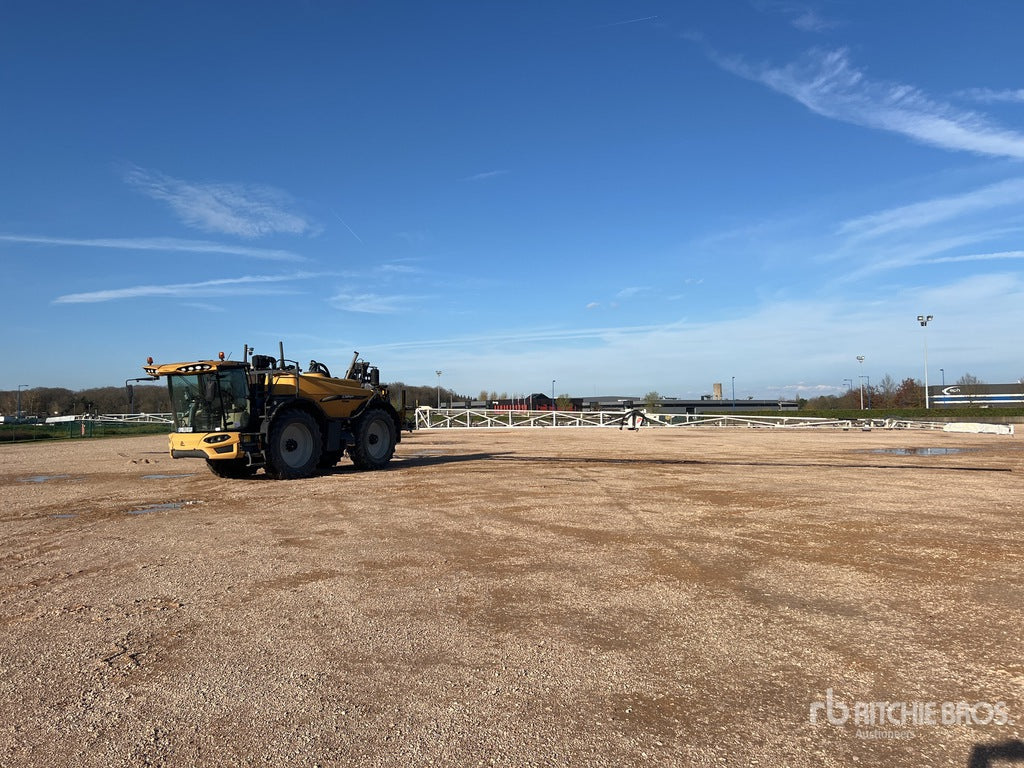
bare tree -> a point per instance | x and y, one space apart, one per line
886 391
969 385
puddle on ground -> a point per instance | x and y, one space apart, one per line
166 477
163 507
42 478
64 516
920 451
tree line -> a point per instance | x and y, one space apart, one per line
887 393
45 402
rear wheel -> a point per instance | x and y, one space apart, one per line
235 469
375 440
293 448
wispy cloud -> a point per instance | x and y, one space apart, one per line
632 291
1000 255
527 336
374 303
800 15
484 175
828 84
206 306
234 286
808 20
245 210
399 269
167 244
977 225
930 212
990 96
886 256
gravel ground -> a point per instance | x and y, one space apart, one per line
516 598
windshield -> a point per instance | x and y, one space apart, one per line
210 402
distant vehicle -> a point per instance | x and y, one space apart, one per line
267 413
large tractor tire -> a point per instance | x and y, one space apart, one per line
293 446
375 440
234 469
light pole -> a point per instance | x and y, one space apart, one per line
942 371
438 388
869 391
860 359
552 394
924 320
734 393
20 387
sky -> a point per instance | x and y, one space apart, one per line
614 197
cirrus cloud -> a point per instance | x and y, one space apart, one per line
245 210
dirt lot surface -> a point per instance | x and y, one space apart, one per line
516 598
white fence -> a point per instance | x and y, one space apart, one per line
117 418
477 418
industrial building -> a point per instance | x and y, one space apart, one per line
978 395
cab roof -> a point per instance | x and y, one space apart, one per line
197 366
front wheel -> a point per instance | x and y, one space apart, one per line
293 448
374 440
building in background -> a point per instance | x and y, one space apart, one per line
978 395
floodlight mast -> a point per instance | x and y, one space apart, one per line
924 320
860 359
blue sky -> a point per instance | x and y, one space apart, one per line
617 196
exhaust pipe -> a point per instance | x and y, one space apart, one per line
352 365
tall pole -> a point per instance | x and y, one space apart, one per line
942 371
552 394
860 359
923 320
438 388
734 393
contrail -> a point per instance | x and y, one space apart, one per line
620 23
357 237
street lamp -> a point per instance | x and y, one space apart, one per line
924 320
438 388
734 393
552 394
943 372
860 359
20 387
